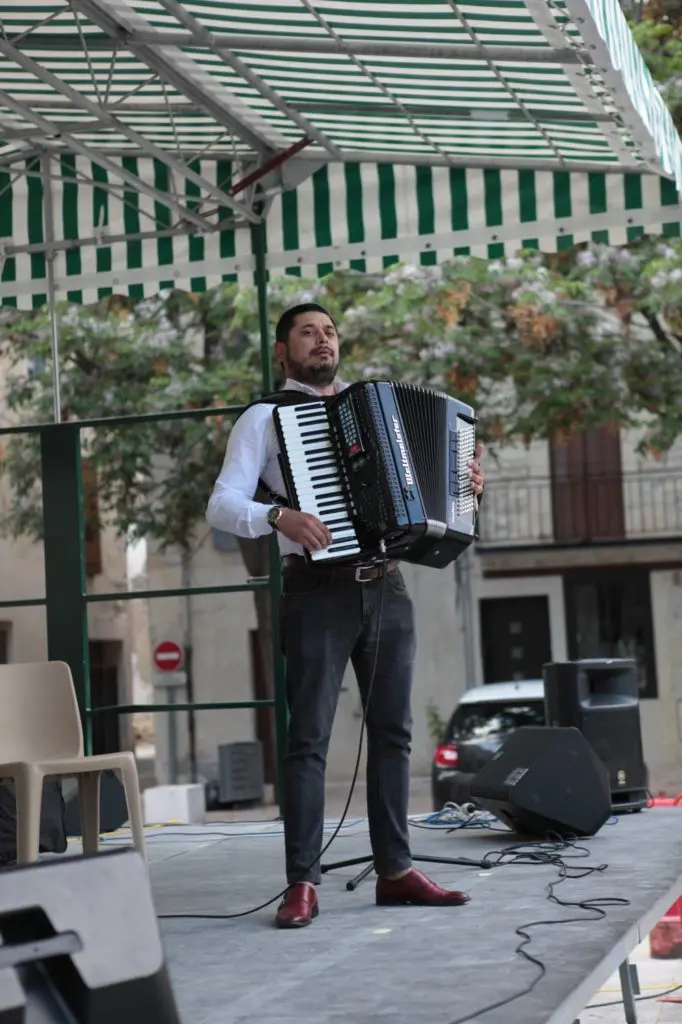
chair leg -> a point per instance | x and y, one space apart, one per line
131 786
28 788
88 791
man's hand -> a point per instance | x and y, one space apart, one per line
304 529
476 474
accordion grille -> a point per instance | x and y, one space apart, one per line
423 414
466 442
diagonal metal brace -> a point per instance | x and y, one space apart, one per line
45 128
152 150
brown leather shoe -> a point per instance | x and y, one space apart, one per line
298 907
415 888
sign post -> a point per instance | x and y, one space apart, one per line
168 659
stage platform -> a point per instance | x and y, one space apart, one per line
365 964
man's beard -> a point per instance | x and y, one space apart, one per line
316 375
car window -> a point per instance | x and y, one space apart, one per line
478 721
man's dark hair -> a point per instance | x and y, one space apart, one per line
288 318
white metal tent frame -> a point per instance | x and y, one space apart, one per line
105 80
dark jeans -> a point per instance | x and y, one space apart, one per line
325 623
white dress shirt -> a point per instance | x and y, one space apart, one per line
252 453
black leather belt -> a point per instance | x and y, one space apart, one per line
358 573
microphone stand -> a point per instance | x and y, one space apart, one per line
354 882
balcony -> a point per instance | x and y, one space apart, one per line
581 510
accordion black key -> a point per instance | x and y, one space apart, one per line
384 466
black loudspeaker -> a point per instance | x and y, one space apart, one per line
80 944
601 698
545 782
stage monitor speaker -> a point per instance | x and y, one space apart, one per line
545 782
81 945
601 699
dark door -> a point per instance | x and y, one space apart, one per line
515 638
608 615
91 522
587 487
106 735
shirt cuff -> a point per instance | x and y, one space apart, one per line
258 520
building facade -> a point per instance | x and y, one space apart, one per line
580 556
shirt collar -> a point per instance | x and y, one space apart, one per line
295 385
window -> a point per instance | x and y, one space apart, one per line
481 721
608 615
587 487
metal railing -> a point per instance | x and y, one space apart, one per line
595 508
66 597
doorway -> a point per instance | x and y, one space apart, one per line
515 637
105 656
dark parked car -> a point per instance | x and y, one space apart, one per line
479 725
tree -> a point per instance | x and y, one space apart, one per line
542 347
657 29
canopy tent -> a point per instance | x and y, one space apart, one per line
142 135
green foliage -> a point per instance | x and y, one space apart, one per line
435 724
542 347
119 361
657 30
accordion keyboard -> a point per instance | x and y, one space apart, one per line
316 475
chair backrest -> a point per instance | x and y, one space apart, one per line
39 717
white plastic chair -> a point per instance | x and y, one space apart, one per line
41 737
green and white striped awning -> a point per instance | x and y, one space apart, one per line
137 137
354 215
543 84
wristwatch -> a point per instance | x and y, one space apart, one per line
273 516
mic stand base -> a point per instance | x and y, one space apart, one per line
464 862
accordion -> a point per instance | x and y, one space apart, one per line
384 466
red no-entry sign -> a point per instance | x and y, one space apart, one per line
168 656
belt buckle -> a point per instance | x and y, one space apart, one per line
359 578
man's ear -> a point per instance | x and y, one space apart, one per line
280 352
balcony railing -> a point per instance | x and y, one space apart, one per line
645 505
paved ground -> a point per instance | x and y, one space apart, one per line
655 977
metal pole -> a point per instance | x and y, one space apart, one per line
467 616
186 582
316 44
627 988
261 276
48 215
172 739
66 609
275 577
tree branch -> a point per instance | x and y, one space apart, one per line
660 333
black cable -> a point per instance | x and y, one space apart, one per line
553 853
268 903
